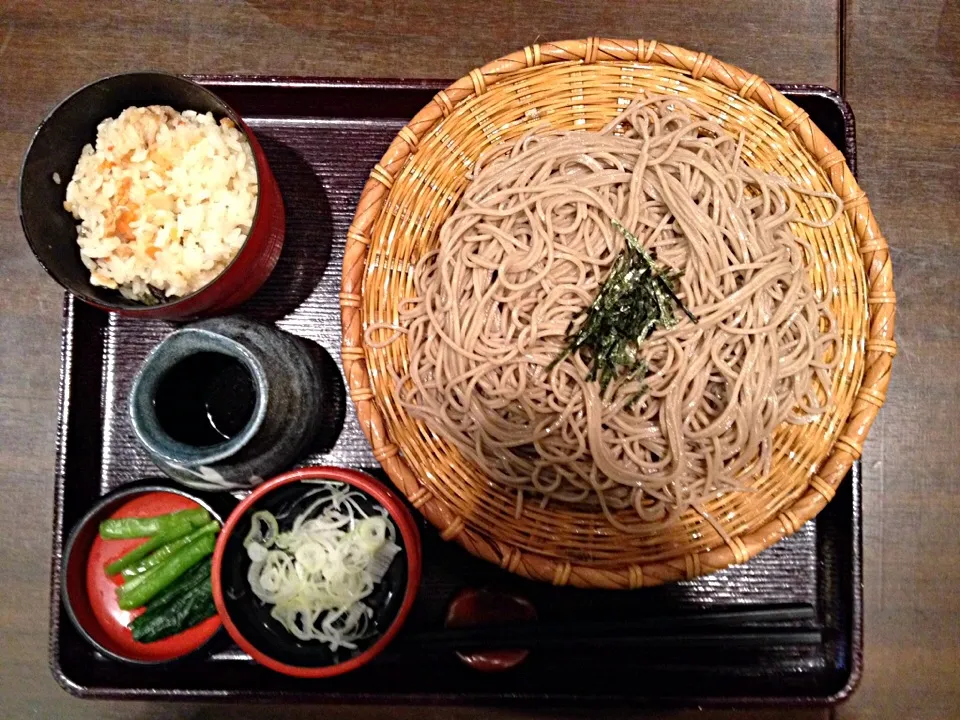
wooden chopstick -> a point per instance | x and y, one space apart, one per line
740 627
538 637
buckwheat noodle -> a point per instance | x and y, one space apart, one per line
527 249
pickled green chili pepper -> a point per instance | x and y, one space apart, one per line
136 527
165 552
139 590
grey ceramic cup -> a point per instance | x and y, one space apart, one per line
273 378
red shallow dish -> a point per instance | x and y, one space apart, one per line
488 607
51 231
90 595
102 596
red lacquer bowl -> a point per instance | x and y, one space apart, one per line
51 231
248 620
89 595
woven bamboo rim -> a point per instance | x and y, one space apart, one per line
582 84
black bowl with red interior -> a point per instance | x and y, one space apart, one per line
248 619
89 594
51 230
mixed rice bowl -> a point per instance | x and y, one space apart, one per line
165 201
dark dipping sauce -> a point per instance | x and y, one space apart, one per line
205 399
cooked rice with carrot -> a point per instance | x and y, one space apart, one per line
165 201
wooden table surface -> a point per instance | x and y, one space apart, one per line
897 63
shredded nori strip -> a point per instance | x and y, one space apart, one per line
636 299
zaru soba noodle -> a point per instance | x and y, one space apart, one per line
670 421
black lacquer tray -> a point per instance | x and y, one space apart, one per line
322 137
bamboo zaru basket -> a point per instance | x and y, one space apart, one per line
582 84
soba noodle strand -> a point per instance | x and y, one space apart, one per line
528 248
